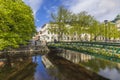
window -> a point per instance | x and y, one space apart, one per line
51 37
74 38
48 32
68 38
74 33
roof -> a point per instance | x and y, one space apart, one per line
43 26
117 18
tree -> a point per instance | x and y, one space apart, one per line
58 22
108 30
81 23
112 31
16 23
95 30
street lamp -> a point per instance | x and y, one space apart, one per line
105 21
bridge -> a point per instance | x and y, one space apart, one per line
102 49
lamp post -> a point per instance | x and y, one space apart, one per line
105 21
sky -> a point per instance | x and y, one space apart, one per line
100 9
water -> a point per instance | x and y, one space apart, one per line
41 72
105 68
68 65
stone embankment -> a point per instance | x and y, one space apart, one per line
25 51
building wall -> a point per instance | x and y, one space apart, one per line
46 35
118 24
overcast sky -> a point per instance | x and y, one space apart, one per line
100 9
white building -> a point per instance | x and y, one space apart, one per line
45 35
117 21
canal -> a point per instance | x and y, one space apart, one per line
65 65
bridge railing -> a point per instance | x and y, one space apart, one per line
99 48
107 45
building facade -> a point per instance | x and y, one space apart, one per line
45 35
117 21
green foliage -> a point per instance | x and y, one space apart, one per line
58 25
95 30
112 31
81 23
16 23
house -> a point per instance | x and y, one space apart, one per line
116 21
45 35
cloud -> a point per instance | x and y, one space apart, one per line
100 9
37 20
34 4
38 29
52 9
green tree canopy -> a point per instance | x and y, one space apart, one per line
81 23
58 22
16 23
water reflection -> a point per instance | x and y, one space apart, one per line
103 67
40 71
27 68
46 70
17 69
57 67
67 70
75 57
2 64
